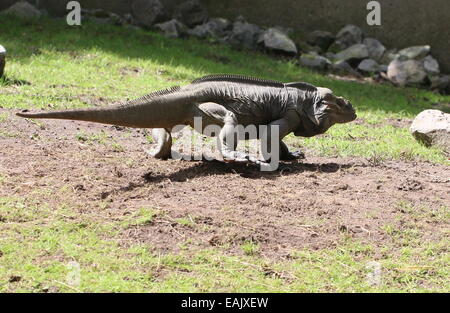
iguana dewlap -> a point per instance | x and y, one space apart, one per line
226 101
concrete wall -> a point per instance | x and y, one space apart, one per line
404 22
58 7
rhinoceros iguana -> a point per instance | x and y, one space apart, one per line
226 101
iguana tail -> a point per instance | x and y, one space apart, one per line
161 109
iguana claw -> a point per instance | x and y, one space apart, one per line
296 155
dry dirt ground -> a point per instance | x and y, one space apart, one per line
310 203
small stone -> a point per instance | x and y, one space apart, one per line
389 56
375 47
430 65
369 66
314 61
220 23
329 55
346 37
100 13
440 83
172 29
148 12
406 73
191 13
23 9
343 68
307 48
244 34
383 68
416 52
276 40
358 51
321 39
432 127
214 28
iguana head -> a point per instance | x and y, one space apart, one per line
328 109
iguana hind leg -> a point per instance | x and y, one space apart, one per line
287 155
215 114
163 139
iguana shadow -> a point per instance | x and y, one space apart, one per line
250 171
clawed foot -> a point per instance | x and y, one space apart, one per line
158 154
296 155
238 157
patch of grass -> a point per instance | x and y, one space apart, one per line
250 248
100 137
117 147
3 117
47 250
185 221
144 216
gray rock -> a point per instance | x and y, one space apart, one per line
100 13
244 34
115 19
307 48
314 61
329 55
23 9
432 128
406 72
375 47
416 52
440 83
358 51
321 39
344 68
128 18
103 17
2 60
346 37
369 66
191 13
221 23
172 28
214 28
430 65
148 12
383 68
275 39
99 20
389 56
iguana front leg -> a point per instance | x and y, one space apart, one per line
285 125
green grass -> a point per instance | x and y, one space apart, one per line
42 245
51 65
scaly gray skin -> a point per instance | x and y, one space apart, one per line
227 101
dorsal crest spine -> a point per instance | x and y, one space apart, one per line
302 86
239 79
148 97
